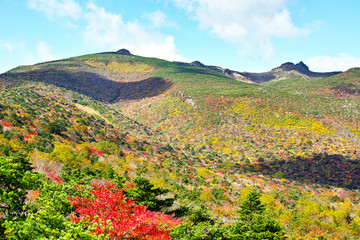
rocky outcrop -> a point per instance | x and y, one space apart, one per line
289 66
124 52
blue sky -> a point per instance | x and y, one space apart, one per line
243 35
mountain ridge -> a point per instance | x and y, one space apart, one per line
262 77
249 77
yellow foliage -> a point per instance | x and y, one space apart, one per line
36 156
64 153
244 192
129 163
82 148
128 67
16 145
100 166
206 196
122 67
86 163
204 172
338 217
317 235
311 208
3 140
225 211
357 221
161 183
113 160
346 206
269 201
286 217
226 197
256 113
80 127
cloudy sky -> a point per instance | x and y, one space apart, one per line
243 35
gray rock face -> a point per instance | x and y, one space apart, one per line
124 52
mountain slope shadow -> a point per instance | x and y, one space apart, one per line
96 86
332 170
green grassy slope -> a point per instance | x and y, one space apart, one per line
109 72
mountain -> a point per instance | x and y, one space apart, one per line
207 138
286 70
303 69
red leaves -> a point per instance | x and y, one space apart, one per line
97 152
120 217
209 102
220 173
6 124
28 137
51 175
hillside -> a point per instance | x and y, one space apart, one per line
206 137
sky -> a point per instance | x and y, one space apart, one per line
242 35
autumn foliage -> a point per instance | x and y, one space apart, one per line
111 214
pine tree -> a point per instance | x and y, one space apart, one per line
254 221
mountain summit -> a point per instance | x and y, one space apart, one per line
124 52
289 66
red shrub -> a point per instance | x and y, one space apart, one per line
119 217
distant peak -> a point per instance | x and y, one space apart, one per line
289 66
302 65
197 64
124 52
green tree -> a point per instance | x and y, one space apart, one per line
199 225
146 194
56 127
49 216
254 222
16 177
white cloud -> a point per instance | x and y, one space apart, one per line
342 62
110 31
250 25
57 8
158 19
165 49
43 52
6 46
107 31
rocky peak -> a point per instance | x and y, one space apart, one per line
124 52
301 67
197 64
289 66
